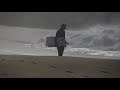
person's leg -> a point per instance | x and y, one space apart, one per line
58 48
61 50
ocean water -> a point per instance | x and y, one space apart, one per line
96 41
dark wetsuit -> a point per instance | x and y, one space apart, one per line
60 33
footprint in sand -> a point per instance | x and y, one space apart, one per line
4 74
105 72
34 63
3 59
22 61
68 71
53 66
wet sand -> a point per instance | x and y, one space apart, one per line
23 66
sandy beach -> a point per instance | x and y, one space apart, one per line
23 66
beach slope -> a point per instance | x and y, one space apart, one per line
25 66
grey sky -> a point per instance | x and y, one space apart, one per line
53 20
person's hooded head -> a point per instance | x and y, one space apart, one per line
63 27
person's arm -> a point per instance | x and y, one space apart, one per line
64 37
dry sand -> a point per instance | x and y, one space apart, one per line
22 66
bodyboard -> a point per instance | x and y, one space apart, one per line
50 41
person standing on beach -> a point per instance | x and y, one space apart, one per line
60 40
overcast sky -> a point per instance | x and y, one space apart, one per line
53 20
